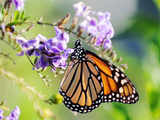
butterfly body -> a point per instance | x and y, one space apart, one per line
90 80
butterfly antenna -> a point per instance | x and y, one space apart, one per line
78 43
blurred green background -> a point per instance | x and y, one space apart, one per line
136 40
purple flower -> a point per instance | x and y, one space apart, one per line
1 114
19 4
97 24
107 44
61 36
31 47
14 115
60 61
59 42
81 9
42 62
49 52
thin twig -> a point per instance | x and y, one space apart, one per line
39 73
30 60
7 56
66 29
27 88
6 42
32 93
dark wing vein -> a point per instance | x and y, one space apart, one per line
71 82
91 79
77 84
68 73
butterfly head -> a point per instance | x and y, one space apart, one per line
79 51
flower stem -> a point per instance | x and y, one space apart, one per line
20 81
8 57
66 29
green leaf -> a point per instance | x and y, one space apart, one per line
2 11
22 15
153 95
16 16
1 14
122 110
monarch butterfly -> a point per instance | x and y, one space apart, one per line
90 80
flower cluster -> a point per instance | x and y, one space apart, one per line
1 114
96 24
19 4
49 52
81 9
14 115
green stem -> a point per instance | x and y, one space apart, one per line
7 56
66 29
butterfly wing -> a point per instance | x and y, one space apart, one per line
89 80
116 86
81 89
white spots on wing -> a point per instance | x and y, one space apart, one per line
99 77
136 98
128 98
85 111
117 69
113 99
124 98
123 81
111 68
117 95
73 105
122 75
117 74
115 78
134 91
109 100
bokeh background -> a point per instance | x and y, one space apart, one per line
136 40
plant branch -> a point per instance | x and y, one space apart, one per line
20 81
66 29
7 56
